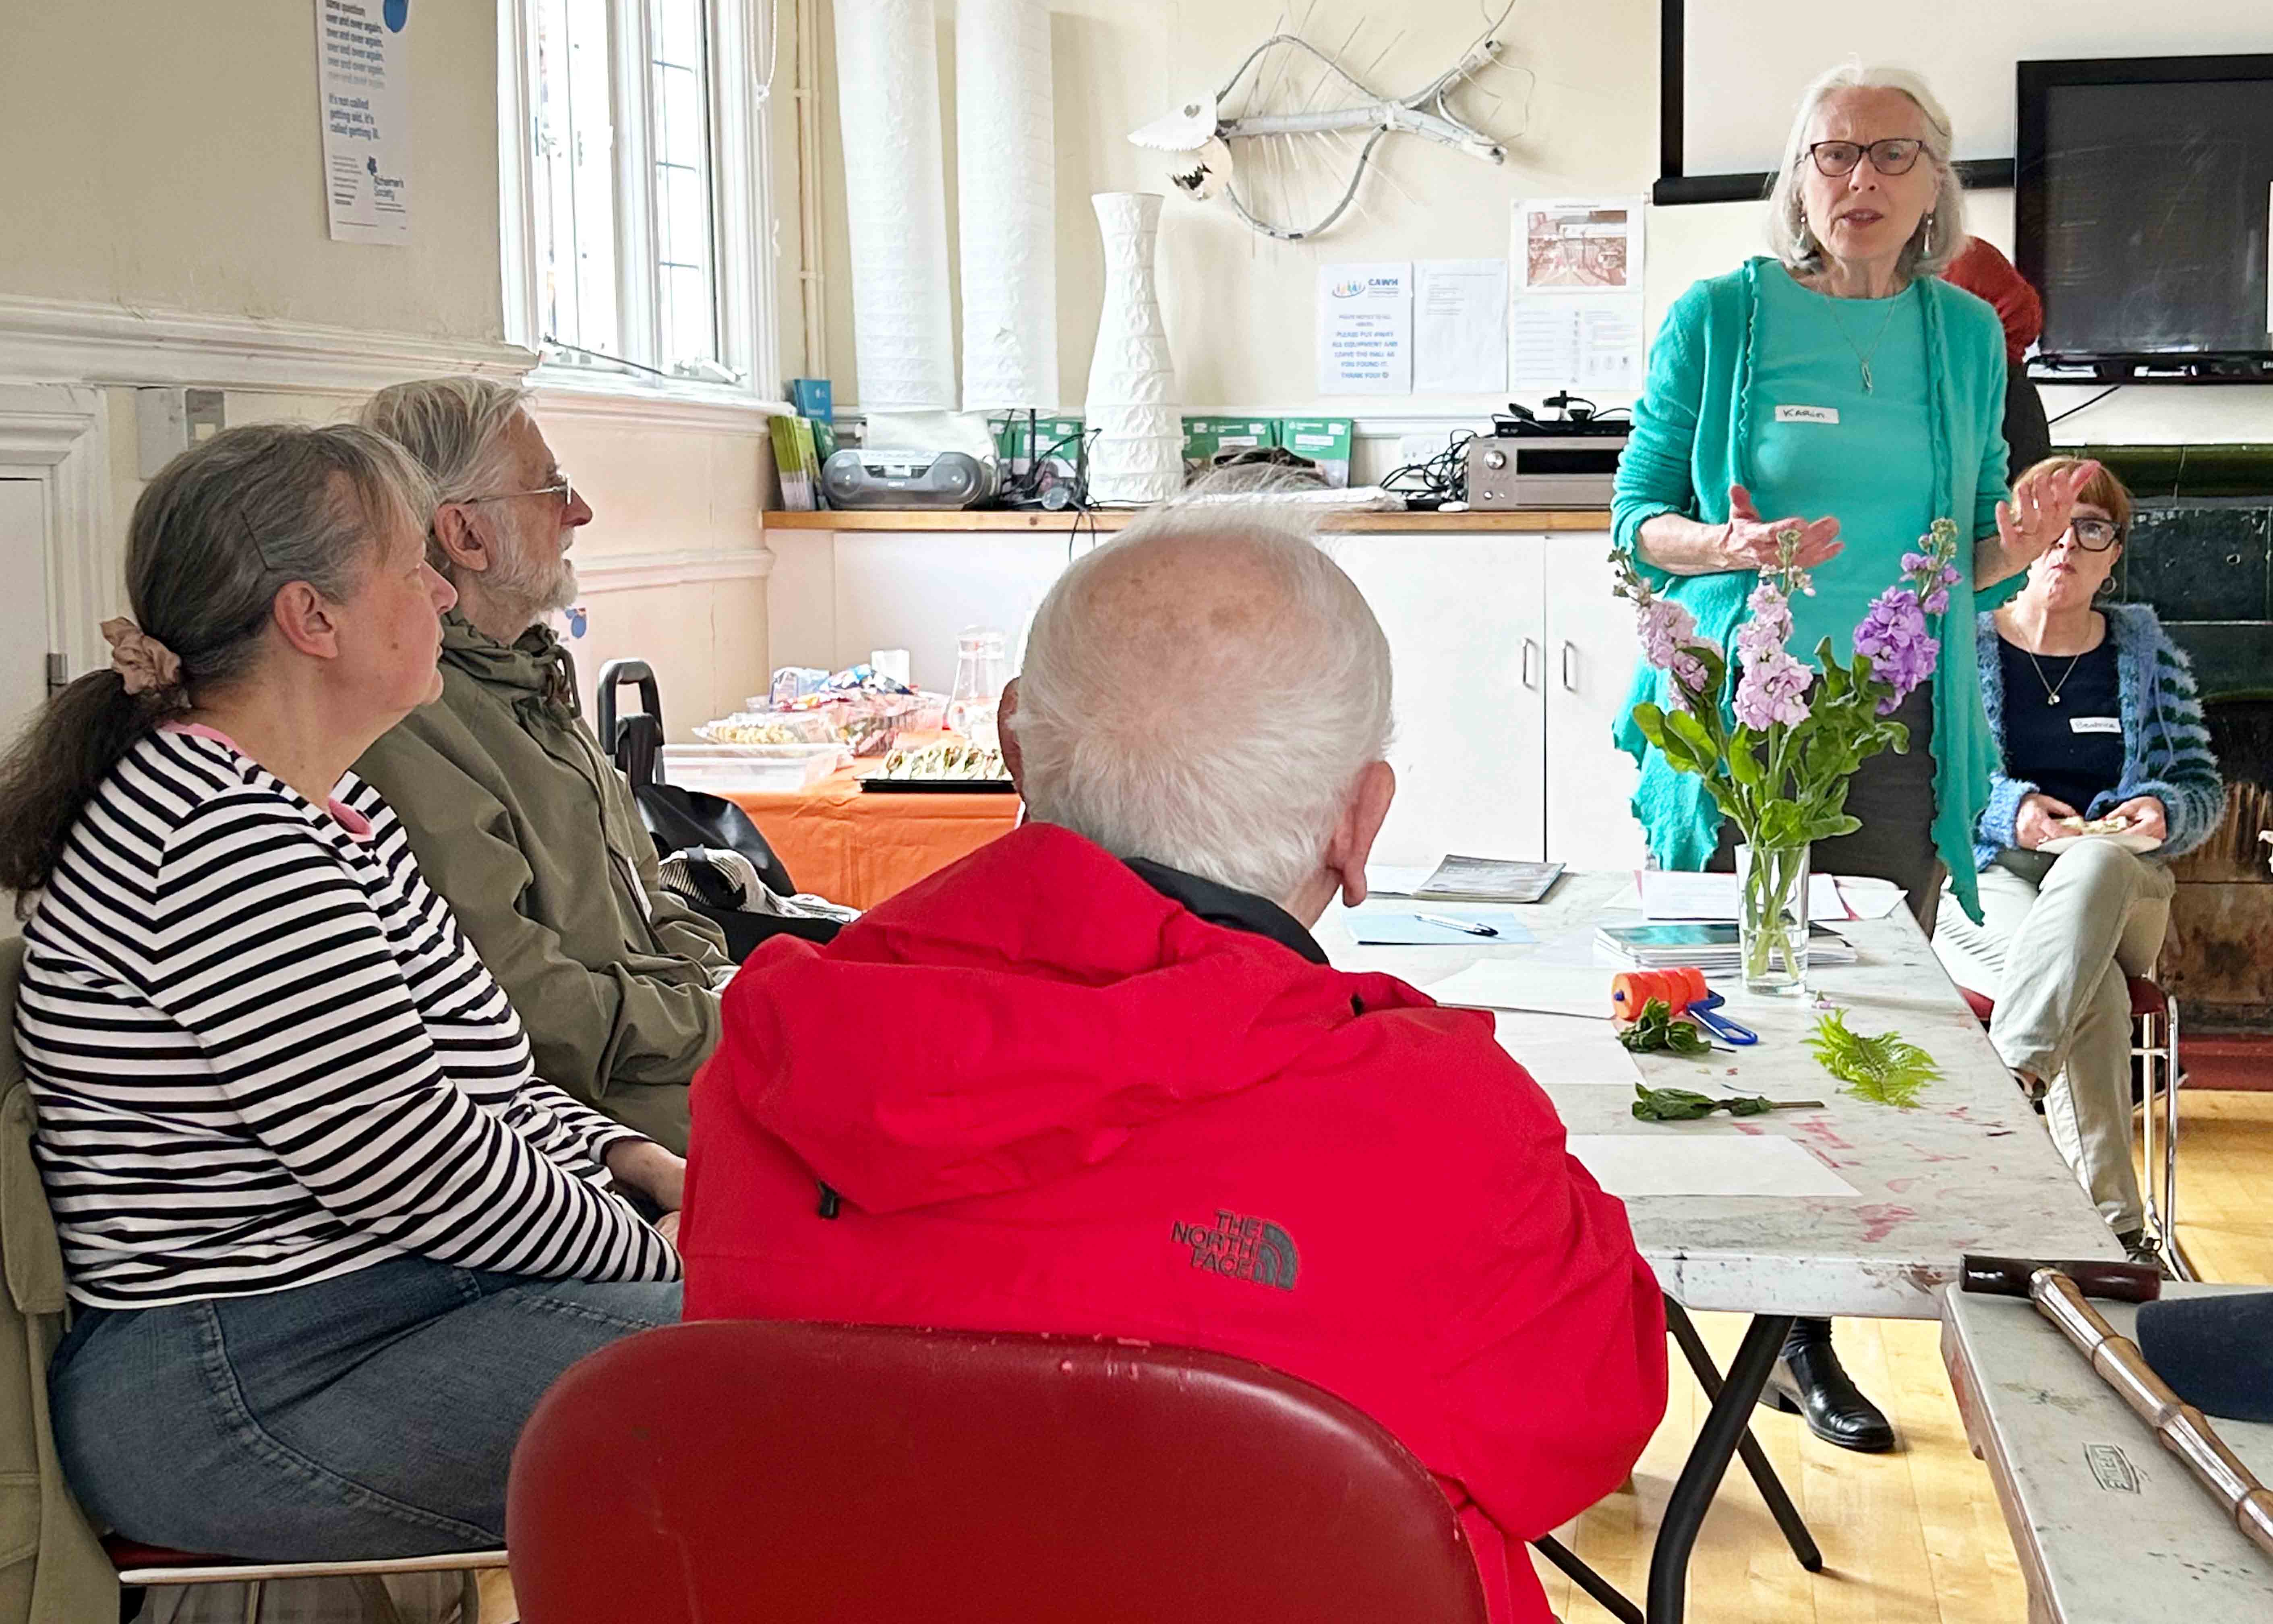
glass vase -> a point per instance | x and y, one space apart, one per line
1772 918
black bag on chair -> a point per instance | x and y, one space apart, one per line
681 820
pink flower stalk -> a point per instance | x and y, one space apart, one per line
1773 689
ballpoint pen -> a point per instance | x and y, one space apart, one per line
1455 924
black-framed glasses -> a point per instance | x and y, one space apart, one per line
1897 154
2096 535
560 487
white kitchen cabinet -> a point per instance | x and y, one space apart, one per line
1512 660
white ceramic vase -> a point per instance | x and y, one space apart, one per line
1139 453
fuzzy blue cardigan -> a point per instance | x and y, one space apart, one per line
2165 748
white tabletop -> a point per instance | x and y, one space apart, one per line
2111 1528
1970 1169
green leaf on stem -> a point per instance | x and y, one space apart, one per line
1655 1029
1885 1069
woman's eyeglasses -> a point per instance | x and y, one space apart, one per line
1897 154
2096 535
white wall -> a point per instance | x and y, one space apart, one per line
164 161
1239 306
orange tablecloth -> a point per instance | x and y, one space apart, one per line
839 841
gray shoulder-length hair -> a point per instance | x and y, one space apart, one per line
1940 236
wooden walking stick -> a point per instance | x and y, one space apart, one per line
2182 1428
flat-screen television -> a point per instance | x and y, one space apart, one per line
2142 189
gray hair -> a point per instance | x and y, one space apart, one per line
455 427
1227 752
1940 236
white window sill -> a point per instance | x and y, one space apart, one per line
592 393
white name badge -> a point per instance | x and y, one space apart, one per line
1807 414
2095 725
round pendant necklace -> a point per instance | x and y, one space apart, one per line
2051 690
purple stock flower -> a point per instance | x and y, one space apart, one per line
1893 635
1773 689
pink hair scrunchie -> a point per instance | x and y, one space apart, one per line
143 665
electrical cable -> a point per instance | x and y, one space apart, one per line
2094 401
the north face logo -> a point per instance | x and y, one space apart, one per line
1243 1248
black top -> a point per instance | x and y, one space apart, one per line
2073 750
1220 904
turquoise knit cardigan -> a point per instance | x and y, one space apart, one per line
2165 748
1691 441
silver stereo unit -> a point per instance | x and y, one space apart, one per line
857 478
1550 465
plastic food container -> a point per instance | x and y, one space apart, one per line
720 769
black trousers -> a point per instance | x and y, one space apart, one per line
1894 796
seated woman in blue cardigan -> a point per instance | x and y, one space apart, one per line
2096 717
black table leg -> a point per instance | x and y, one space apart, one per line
1756 1461
1605 1594
1708 1464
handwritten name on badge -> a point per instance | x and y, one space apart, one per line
1807 414
2095 724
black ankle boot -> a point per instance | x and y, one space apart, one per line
1810 1382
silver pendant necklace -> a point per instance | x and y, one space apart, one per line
1864 356
2051 690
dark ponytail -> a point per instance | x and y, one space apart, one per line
216 535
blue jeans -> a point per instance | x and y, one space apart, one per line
370 1416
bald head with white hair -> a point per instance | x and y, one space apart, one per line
1210 692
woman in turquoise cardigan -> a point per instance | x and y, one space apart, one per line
1840 382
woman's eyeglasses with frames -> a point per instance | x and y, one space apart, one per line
1897 154
2096 535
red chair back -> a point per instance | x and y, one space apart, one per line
796 1473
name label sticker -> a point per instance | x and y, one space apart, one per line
1807 414
2095 725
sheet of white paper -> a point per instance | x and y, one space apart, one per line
1527 984
1365 329
1684 1161
362 95
1868 898
1459 326
1428 925
1396 879
1560 1051
1574 340
1669 893
1587 245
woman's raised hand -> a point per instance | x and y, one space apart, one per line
2029 524
1750 541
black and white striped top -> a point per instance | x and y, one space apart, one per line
263 1055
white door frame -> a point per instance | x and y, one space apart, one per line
59 435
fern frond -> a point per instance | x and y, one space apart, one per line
1886 1069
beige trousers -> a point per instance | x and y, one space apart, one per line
2059 936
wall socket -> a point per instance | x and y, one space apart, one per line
168 422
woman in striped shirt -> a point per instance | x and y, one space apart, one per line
328 1237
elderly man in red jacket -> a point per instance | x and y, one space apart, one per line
1098 1078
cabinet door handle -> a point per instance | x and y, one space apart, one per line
1570 683
1530 652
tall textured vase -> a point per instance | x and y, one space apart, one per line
1138 455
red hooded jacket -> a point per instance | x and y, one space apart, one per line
1049 1098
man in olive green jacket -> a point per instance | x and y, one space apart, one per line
517 820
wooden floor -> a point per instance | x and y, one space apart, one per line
1912 1537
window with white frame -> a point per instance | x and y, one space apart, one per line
634 188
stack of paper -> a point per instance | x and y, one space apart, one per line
1708 945
1487 879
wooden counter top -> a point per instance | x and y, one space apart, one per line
1001 522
